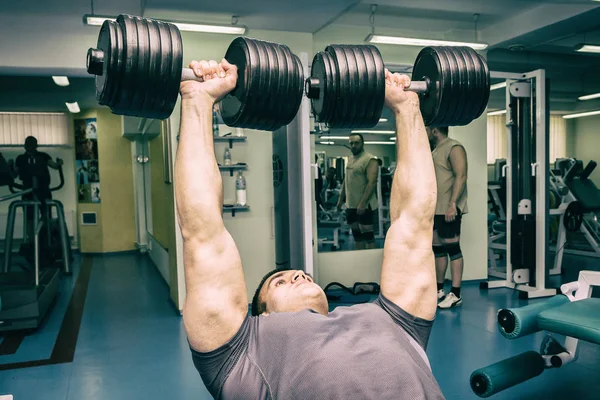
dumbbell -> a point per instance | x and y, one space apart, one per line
347 85
138 68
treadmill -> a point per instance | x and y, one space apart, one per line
26 295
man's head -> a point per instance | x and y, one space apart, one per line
357 143
436 135
288 291
30 144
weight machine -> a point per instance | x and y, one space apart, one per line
526 170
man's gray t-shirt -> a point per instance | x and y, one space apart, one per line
366 351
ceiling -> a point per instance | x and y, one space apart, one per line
523 35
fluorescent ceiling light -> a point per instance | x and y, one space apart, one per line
367 131
498 85
385 119
379 142
500 112
588 48
73 107
334 137
583 114
98 20
230 30
589 96
327 142
372 38
393 138
61 80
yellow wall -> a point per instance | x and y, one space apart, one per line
115 230
163 214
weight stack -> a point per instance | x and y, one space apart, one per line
506 373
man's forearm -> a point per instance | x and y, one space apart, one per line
414 186
367 194
198 183
460 182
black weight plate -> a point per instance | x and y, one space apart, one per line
445 90
104 83
118 63
467 87
380 92
273 94
165 64
140 70
260 97
253 85
477 77
319 71
474 83
174 77
428 65
332 94
371 83
485 87
150 85
364 90
284 79
294 94
232 104
452 98
462 99
297 90
130 43
155 97
340 117
354 93
289 74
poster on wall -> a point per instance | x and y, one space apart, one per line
86 155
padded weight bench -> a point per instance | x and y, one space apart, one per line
573 314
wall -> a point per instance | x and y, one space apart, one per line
115 230
587 132
252 230
474 224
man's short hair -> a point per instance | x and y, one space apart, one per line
362 139
30 141
259 306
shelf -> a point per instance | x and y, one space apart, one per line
230 139
231 168
236 208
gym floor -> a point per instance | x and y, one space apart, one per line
131 344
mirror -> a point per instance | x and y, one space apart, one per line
343 160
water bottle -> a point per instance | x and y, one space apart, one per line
215 124
240 189
227 157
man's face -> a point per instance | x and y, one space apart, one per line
431 137
290 291
356 145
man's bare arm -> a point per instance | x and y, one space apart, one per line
216 302
458 160
408 271
55 164
372 172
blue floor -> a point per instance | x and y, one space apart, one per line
132 344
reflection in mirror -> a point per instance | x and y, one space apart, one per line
352 191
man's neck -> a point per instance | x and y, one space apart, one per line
440 140
359 154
